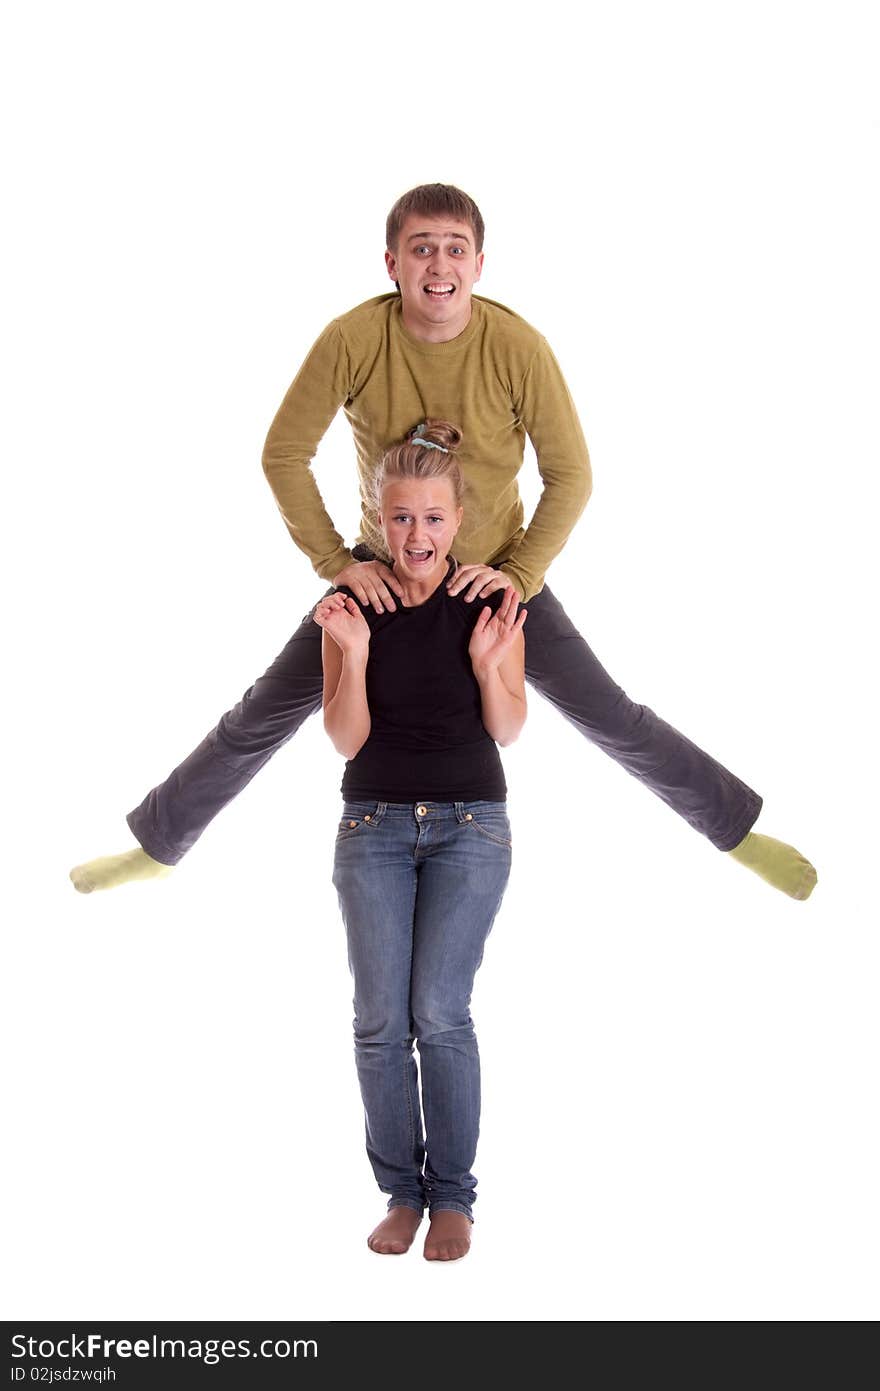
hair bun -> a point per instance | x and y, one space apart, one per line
441 432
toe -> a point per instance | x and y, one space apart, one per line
808 883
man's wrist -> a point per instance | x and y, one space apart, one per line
335 566
511 573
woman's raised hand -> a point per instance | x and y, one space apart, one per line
340 615
494 633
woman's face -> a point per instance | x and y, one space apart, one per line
419 518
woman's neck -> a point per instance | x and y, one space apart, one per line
419 592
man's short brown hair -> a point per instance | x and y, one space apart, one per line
434 200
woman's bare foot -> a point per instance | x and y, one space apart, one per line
449 1236
395 1233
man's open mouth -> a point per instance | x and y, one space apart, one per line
440 290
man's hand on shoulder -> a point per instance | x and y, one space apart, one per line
480 581
373 583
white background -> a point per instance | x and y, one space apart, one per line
679 1063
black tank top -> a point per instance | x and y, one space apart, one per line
427 740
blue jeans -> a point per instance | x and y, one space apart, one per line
419 886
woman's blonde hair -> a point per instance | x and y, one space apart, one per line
415 458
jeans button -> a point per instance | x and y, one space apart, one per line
421 811
468 816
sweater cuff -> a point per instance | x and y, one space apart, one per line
334 564
528 585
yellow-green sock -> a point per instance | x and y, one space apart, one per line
111 870
780 864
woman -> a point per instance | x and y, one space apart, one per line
416 700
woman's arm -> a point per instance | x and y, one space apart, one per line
503 695
345 648
497 652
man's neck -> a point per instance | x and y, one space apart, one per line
427 332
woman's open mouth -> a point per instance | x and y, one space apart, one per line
418 557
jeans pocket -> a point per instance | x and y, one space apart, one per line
358 817
490 820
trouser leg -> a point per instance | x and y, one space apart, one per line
374 873
171 818
462 878
561 666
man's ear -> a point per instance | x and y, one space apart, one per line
391 265
479 266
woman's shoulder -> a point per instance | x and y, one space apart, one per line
469 610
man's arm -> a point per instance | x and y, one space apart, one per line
315 395
550 420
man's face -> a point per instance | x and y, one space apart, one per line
436 265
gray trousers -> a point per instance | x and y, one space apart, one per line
559 665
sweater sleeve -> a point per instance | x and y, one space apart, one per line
304 416
550 420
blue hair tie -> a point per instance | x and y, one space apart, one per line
426 444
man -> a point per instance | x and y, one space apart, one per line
433 349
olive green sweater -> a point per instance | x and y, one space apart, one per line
497 381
